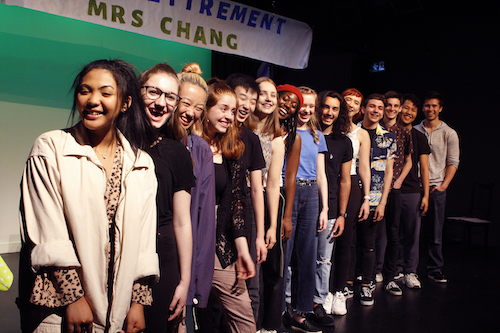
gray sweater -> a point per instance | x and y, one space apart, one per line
445 150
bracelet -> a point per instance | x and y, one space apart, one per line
366 197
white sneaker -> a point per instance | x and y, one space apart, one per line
379 277
411 281
339 306
263 330
328 303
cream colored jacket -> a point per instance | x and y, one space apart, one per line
63 213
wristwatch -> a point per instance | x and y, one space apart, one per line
344 215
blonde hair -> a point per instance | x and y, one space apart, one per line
313 121
272 124
192 67
177 130
229 143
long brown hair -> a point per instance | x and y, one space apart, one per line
229 143
313 121
272 123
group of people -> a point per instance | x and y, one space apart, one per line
179 205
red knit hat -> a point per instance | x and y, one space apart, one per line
293 89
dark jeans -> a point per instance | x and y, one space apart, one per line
343 258
435 222
410 232
366 234
302 248
392 221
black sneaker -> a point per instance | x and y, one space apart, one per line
321 317
287 316
306 326
437 276
393 289
365 296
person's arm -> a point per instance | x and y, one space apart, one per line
135 321
452 160
245 267
380 210
292 165
44 224
323 191
364 172
257 193
424 178
273 187
184 240
406 170
344 192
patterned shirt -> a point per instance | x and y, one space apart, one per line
404 143
382 150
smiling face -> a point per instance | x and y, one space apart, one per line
432 109
159 110
392 109
288 104
374 111
191 105
307 110
99 102
353 105
221 115
247 100
409 113
268 98
330 111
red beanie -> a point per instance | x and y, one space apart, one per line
293 89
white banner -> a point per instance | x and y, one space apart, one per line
223 26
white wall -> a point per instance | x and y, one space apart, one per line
20 125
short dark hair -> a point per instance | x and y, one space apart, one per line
413 98
237 79
376 96
394 94
436 95
134 123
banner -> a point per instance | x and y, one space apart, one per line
223 26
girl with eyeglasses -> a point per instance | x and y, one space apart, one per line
88 212
174 171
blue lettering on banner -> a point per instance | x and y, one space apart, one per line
238 13
223 10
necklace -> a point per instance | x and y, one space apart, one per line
97 151
104 156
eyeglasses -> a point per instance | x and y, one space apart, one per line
154 93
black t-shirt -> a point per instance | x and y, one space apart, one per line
174 172
411 183
252 158
339 151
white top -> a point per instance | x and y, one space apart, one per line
353 135
63 213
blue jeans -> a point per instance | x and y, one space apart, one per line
435 222
323 263
301 248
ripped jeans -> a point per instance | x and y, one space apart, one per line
323 263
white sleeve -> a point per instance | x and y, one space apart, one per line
41 211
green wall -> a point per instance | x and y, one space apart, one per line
40 54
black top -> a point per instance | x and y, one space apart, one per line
174 171
252 158
411 183
339 151
221 178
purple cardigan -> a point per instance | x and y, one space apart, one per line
202 221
